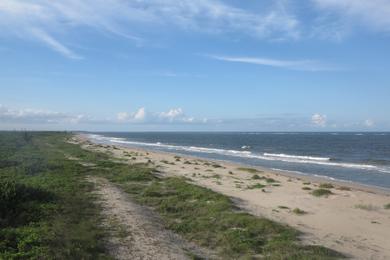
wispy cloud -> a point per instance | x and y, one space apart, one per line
306 65
341 16
51 21
54 44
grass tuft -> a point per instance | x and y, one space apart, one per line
367 207
326 186
298 211
256 186
321 192
250 170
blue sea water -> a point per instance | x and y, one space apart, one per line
357 157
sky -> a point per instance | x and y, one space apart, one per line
195 65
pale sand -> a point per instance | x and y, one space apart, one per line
334 221
135 231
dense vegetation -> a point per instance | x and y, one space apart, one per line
47 209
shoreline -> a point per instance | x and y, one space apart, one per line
351 219
286 173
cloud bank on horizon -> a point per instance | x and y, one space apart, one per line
25 118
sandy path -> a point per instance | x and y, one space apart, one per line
135 231
352 221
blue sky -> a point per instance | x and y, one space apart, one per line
316 65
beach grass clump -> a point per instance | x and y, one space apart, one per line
256 186
367 207
387 206
250 170
256 177
167 162
270 180
299 212
283 207
306 188
326 186
321 192
306 183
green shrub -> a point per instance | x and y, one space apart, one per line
19 203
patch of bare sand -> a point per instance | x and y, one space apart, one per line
135 231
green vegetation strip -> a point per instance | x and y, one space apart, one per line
61 221
46 208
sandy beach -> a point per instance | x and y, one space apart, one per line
351 219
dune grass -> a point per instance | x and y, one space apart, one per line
367 207
387 206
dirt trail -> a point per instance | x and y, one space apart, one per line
135 231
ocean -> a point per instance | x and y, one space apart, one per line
362 158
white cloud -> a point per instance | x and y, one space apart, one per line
28 116
51 21
374 14
34 116
174 115
369 123
135 117
307 65
319 120
140 114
